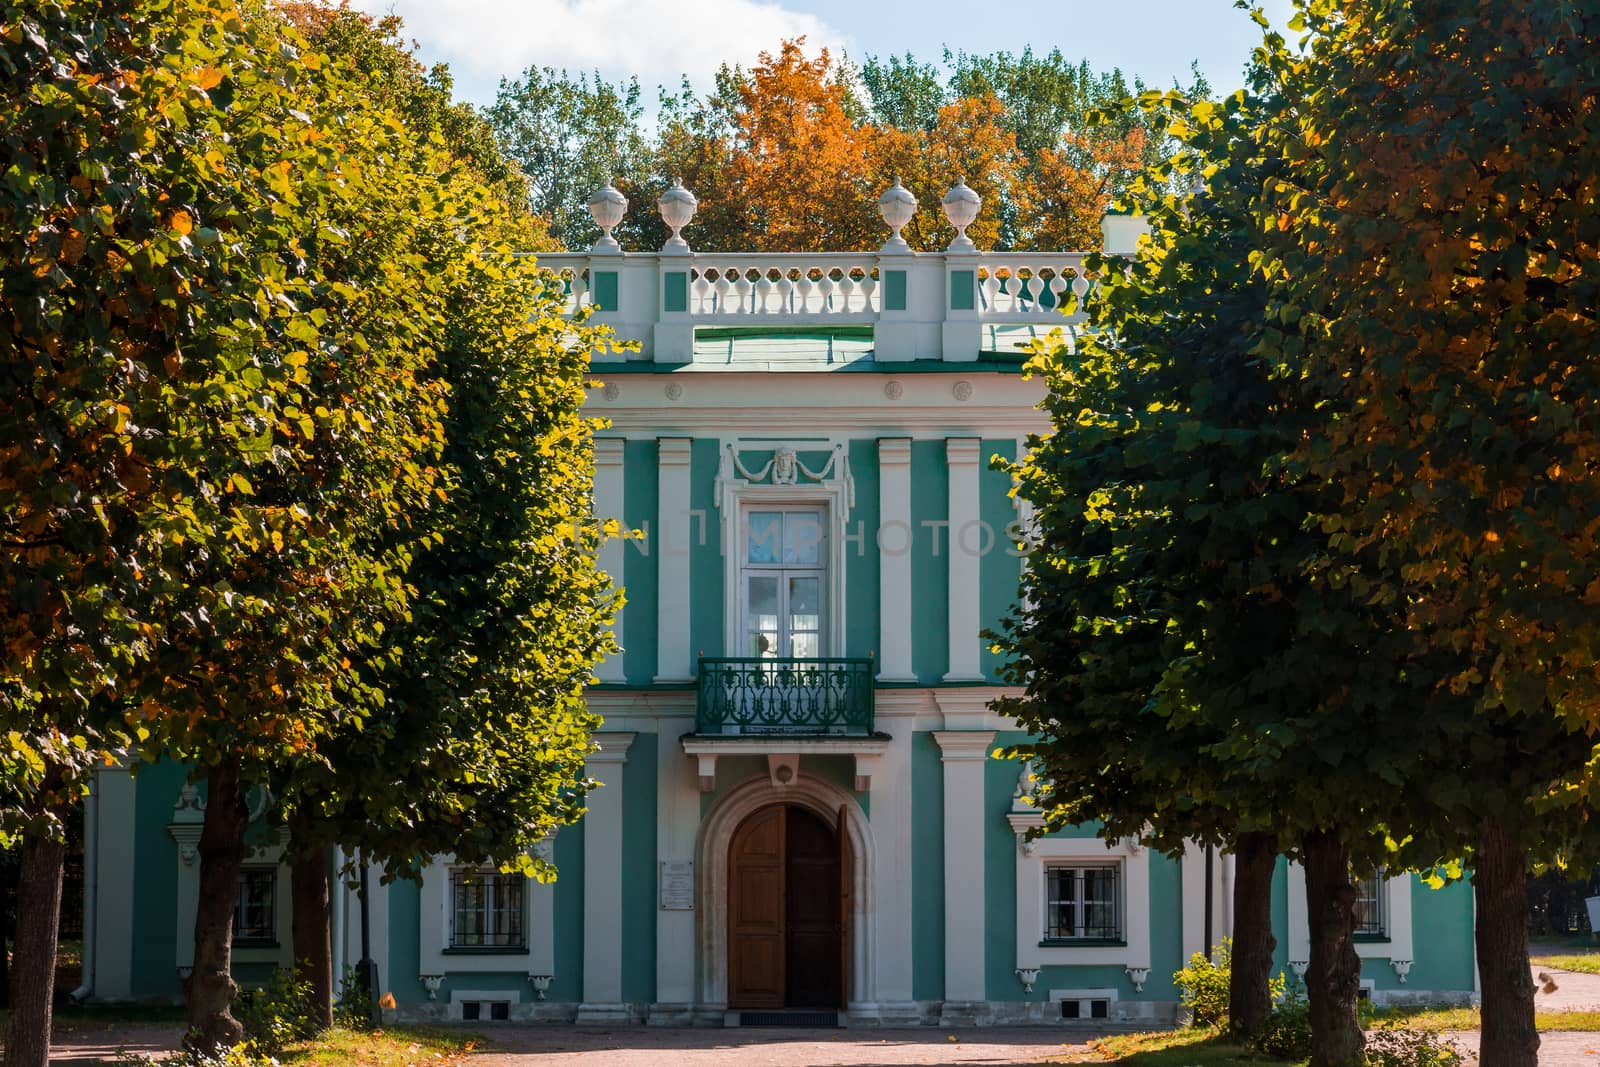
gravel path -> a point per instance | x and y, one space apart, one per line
527 1046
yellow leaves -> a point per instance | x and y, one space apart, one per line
205 78
181 223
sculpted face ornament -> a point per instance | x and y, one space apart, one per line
783 467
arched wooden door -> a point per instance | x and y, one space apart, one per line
785 926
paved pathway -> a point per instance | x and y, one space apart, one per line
527 1046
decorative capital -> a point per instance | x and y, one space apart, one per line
431 982
1402 968
541 984
1299 967
1138 976
1027 976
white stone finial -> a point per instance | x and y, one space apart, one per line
606 207
897 206
961 206
677 206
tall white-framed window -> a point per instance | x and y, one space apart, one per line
783 580
1083 903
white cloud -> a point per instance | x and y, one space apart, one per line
485 40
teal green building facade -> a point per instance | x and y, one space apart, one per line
805 808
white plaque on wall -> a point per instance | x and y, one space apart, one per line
677 886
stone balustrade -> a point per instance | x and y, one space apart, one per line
920 305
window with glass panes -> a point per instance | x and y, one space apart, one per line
253 918
1083 903
486 910
1370 918
783 578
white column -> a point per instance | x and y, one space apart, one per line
602 884
677 823
964 753
965 543
671 549
894 560
608 504
114 875
891 827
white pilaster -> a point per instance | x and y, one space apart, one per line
113 968
608 504
671 549
891 823
602 883
966 543
894 560
964 753
677 822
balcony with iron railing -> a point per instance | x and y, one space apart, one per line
782 708
890 306
784 696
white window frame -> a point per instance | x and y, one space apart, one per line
434 953
490 906
783 572
1080 865
1397 911
1381 900
1034 856
831 498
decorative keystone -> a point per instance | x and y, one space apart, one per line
432 982
606 207
1027 976
898 207
1138 976
1402 968
961 206
541 984
677 206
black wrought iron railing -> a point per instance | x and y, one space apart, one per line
792 696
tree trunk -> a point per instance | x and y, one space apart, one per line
1333 979
211 989
313 955
1499 883
1249 984
33 967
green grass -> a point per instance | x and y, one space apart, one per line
1587 963
1191 1047
399 1046
1434 1020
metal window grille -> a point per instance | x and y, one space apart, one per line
1371 917
486 910
253 918
1083 903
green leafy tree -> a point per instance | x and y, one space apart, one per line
570 136
1435 242
158 335
482 682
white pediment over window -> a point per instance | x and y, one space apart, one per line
784 469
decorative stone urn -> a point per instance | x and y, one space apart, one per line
677 206
606 207
541 984
432 982
961 206
898 207
1027 976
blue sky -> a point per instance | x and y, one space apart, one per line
483 40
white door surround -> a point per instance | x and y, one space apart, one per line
711 865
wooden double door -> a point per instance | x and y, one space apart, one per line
788 910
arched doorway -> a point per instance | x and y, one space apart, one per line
789 884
